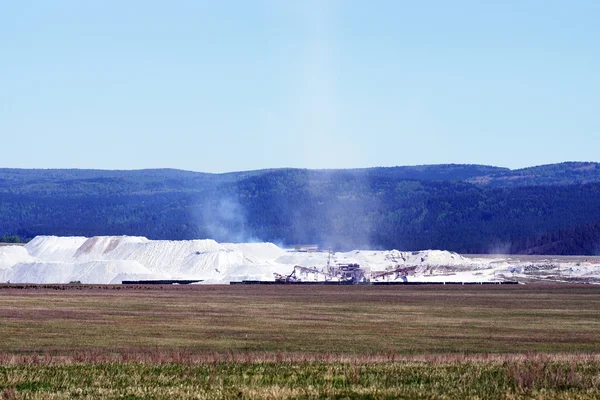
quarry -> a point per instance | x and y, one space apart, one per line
115 259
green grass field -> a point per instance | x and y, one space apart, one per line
451 378
300 341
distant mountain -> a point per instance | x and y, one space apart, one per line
568 173
25 180
464 208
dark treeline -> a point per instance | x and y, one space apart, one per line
463 208
583 239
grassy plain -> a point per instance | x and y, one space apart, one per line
303 319
300 341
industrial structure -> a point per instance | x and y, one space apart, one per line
348 273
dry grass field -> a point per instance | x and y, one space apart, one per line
300 341
302 319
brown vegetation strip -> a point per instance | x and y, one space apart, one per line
307 320
104 356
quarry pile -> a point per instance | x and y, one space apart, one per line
113 259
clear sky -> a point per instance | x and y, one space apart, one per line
225 85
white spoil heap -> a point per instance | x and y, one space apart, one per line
112 259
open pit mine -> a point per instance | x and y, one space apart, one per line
126 259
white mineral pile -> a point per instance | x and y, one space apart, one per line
112 259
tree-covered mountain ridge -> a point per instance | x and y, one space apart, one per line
553 209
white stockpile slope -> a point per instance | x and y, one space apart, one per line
9 257
54 248
97 247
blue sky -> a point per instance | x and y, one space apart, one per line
220 86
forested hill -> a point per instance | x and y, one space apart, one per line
553 209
